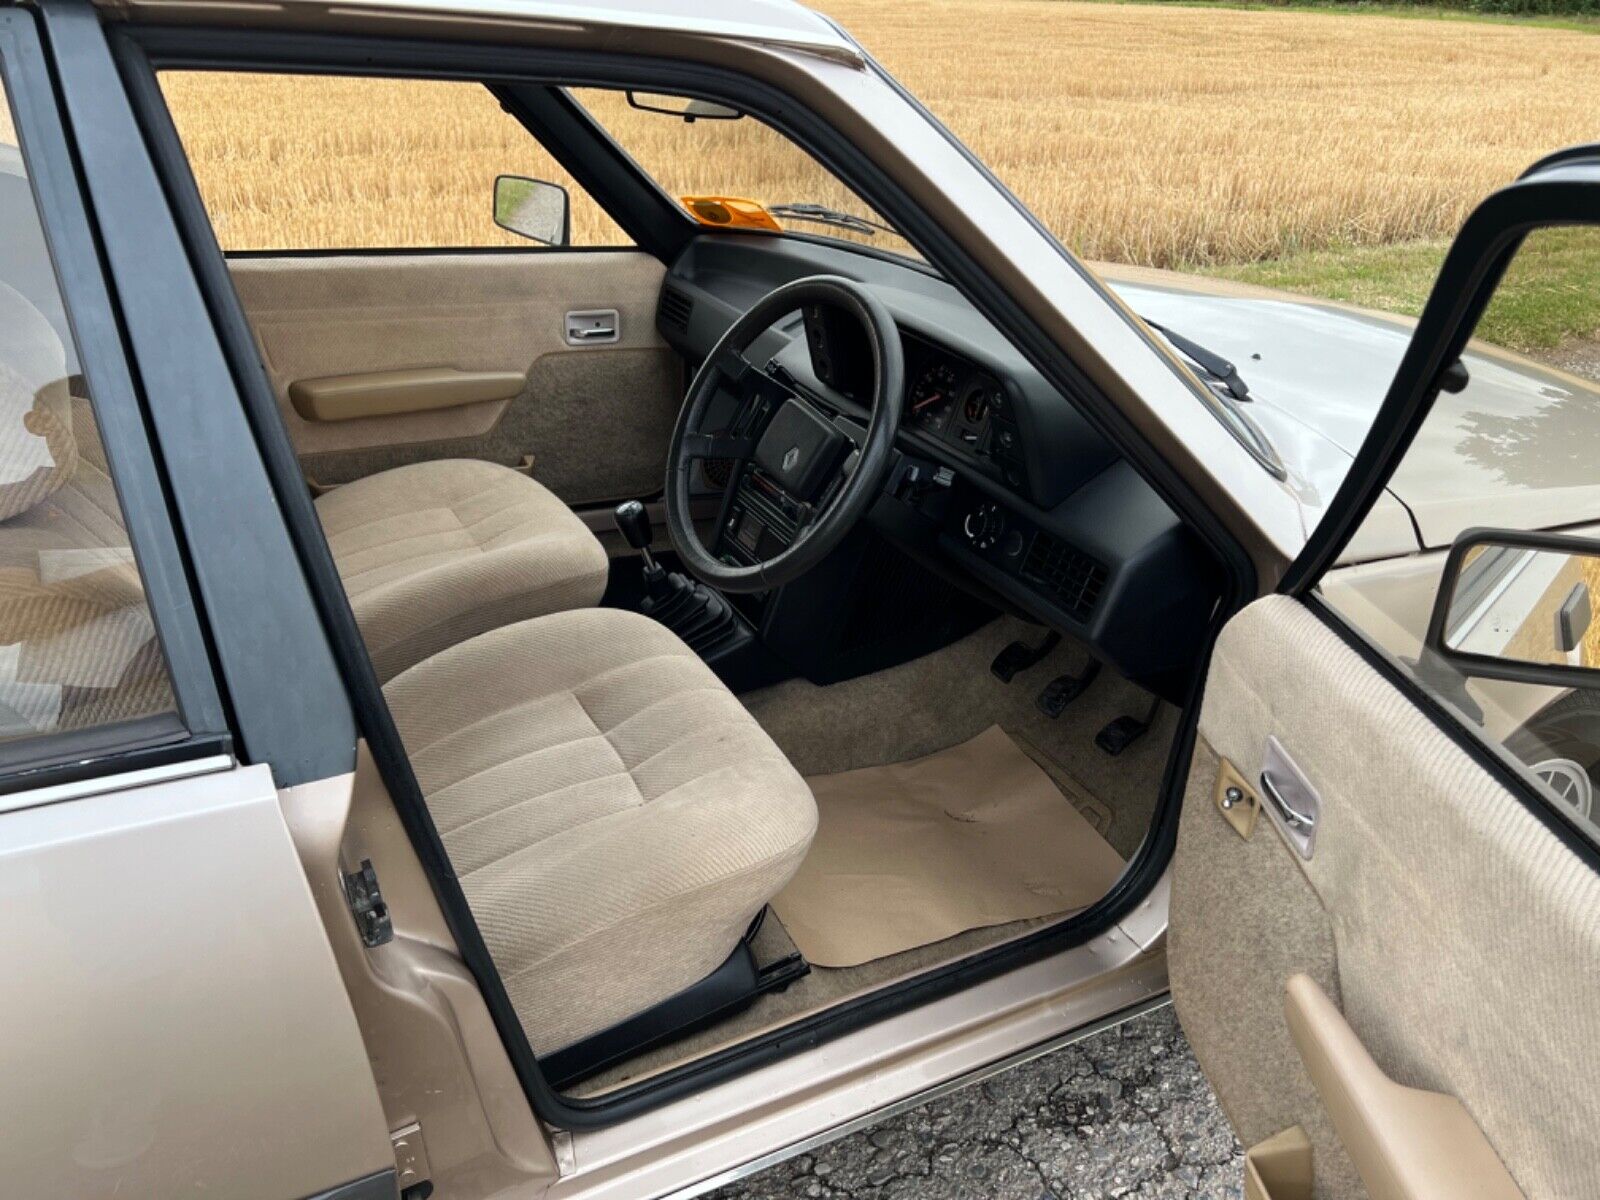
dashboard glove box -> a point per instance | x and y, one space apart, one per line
800 450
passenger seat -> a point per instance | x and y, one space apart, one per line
437 552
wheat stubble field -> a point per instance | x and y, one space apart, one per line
1164 136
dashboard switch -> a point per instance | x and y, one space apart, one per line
984 526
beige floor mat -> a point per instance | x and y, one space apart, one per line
912 853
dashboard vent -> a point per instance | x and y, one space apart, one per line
674 309
1069 577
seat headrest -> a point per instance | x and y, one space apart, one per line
37 451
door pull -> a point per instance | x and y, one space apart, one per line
1291 801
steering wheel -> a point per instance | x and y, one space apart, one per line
790 444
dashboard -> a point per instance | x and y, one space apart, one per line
948 397
999 481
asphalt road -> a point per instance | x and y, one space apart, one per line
1125 1113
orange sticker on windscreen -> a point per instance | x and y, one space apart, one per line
730 212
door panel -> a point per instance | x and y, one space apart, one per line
174 1020
595 418
1457 934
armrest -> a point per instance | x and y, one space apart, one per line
389 393
1407 1144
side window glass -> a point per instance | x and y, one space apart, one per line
322 162
77 643
1517 448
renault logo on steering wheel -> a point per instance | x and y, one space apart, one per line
790 457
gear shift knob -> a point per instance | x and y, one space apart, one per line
633 523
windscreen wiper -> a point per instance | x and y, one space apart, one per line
1213 364
823 215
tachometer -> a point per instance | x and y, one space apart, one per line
933 397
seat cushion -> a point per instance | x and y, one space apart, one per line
616 817
433 553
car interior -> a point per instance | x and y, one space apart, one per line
864 659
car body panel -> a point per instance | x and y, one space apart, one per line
174 1018
1318 371
760 22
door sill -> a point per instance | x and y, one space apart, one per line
688 1147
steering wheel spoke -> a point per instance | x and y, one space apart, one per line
724 444
732 365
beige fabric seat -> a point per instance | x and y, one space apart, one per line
616 817
434 553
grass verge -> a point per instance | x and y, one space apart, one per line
1581 22
1549 296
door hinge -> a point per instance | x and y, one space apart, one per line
411 1162
367 905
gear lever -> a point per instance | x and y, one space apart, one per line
699 615
633 523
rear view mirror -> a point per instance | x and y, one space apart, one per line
689 109
1520 606
532 208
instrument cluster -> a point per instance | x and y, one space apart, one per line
961 404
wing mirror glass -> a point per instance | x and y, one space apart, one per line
532 208
1520 606
686 107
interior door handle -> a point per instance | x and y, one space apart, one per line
1296 818
591 326
1290 798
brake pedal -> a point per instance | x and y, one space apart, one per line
1064 689
1019 656
1125 730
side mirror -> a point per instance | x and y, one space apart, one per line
532 208
1519 606
689 109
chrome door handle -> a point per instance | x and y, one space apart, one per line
1291 815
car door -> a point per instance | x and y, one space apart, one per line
398 320
1385 927
173 1017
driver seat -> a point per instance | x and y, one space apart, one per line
615 817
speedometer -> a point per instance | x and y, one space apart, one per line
933 397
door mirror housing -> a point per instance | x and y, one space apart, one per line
1519 606
533 208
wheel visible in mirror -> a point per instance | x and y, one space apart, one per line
1520 606
532 208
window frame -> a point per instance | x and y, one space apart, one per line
1561 189
197 728
284 699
